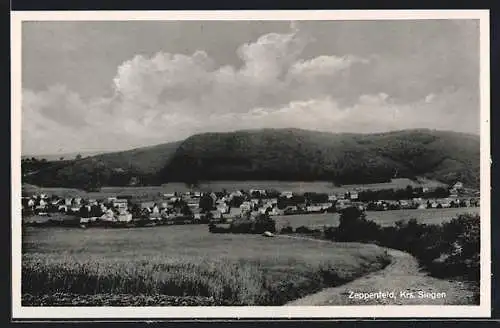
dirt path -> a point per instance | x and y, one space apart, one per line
402 281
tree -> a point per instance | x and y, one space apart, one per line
355 227
136 211
78 157
206 203
95 211
84 212
61 158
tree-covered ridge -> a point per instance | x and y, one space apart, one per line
275 154
294 154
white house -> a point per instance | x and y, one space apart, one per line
314 208
246 206
120 203
108 216
124 217
111 199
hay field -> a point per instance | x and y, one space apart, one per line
185 261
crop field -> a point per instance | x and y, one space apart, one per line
383 218
152 192
182 262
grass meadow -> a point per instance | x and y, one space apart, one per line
151 192
187 261
383 218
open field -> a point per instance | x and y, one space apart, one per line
383 218
186 261
151 192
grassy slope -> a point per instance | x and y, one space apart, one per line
188 260
146 159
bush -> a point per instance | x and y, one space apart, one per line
355 227
287 229
304 230
450 249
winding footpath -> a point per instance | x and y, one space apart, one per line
403 277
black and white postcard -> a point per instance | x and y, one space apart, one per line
250 164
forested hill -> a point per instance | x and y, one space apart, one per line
287 154
294 154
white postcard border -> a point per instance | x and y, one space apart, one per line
20 312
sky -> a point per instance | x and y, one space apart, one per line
103 86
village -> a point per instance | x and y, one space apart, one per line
196 207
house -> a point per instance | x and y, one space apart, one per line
103 208
246 206
332 198
275 211
223 208
124 217
169 195
325 206
197 214
111 199
120 203
192 205
236 193
68 201
92 202
31 202
287 194
458 186
404 204
425 189
263 210
314 208
56 202
77 201
359 205
108 215
257 192
354 195
216 214
75 209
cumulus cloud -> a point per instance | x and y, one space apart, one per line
168 97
